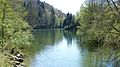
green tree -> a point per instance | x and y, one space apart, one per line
100 26
14 30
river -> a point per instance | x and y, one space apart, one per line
57 48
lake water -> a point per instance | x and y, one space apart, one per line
57 48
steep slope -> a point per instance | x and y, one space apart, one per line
43 15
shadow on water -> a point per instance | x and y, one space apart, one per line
57 48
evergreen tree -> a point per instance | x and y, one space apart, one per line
52 18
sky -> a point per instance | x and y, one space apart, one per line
71 6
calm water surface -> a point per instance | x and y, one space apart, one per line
55 48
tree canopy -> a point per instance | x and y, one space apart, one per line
100 26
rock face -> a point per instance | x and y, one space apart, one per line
41 14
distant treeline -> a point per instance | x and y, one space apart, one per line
43 15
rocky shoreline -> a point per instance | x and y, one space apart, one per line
16 59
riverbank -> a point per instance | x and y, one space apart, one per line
14 30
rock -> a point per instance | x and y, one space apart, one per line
17 59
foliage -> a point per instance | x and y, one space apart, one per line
100 26
14 30
69 22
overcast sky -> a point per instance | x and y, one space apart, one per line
71 6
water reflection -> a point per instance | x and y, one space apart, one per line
56 48
69 36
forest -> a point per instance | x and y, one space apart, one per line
100 27
14 35
43 15
97 23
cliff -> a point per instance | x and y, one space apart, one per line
42 14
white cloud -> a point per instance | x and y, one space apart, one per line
71 6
